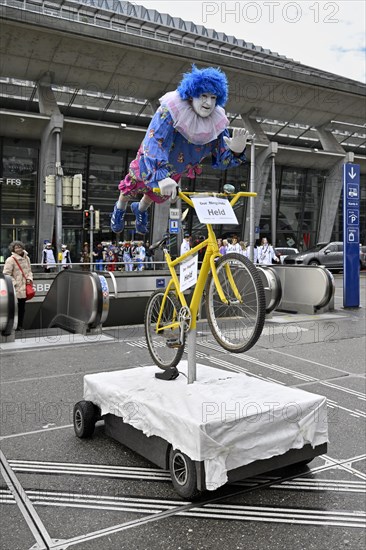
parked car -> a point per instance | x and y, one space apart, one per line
362 257
328 254
282 252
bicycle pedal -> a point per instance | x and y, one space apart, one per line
174 343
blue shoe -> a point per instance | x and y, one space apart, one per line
142 218
117 219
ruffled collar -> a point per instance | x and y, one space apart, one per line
194 128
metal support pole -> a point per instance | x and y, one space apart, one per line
58 195
91 210
191 346
273 203
180 235
251 200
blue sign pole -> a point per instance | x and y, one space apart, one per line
351 235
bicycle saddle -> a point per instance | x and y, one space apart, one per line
160 243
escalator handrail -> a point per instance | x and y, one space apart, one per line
114 281
11 305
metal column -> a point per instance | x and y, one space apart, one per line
251 201
273 203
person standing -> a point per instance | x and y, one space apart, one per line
149 256
224 246
139 256
111 259
186 244
18 261
201 253
127 257
243 248
48 258
119 255
255 253
266 253
234 246
99 256
65 257
85 257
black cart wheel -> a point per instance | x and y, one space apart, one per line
184 476
85 417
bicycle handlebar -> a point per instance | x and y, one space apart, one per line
184 195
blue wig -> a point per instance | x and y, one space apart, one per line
201 81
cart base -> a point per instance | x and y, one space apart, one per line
156 450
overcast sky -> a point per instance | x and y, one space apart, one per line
322 34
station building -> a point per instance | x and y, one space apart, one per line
81 80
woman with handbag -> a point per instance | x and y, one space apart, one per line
18 267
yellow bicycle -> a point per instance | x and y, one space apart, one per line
233 292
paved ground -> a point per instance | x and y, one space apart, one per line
97 494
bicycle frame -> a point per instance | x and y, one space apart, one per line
208 265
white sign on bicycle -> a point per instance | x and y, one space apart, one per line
188 273
214 210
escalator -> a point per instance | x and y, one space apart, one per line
77 301
8 307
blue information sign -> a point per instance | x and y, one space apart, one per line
351 235
173 226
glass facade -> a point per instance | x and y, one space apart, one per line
298 201
19 167
299 198
104 174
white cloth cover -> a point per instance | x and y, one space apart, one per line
225 419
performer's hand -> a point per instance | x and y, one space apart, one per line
239 140
168 187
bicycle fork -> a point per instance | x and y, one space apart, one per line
182 316
230 278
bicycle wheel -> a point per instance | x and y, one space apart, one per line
163 346
238 324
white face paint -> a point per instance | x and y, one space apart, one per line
204 104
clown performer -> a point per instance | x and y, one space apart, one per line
189 125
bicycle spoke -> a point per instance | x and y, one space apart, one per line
236 325
158 337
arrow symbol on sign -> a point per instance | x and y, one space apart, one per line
352 173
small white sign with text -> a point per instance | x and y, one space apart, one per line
214 210
188 273
174 213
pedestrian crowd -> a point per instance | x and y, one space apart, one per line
123 256
137 256
263 252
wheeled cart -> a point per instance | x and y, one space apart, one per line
224 427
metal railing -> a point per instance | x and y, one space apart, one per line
92 266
